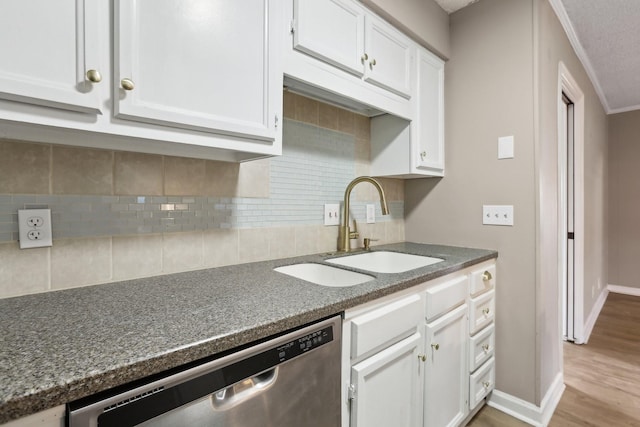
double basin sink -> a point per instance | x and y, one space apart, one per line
376 262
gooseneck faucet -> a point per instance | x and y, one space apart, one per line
345 233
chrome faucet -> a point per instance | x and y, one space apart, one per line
345 234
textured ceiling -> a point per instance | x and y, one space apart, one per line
606 37
607 40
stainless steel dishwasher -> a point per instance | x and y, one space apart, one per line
292 380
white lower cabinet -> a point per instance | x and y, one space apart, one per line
409 360
386 386
446 375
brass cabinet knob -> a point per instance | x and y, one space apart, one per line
373 62
435 346
486 276
127 84
486 384
486 311
364 57
485 347
422 357
94 76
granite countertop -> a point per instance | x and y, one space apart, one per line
60 346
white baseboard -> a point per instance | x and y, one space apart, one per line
626 290
593 316
538 416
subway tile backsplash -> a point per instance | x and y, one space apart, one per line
120 215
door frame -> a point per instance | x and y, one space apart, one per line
568 86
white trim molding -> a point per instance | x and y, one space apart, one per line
538 416
625 290
595 312
561 13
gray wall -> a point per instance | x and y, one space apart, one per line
489 93
502 79
624 198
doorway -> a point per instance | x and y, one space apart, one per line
571 206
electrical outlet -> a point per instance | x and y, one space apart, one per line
371 214
34 226
497 214
332 214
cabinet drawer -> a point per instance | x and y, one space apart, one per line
481 383
483 280
386 325
482 311
442 298
482 347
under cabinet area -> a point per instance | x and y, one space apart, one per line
196 79
415 359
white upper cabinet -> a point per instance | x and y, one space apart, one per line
429 130
199 64
193 78
50 54
341 43
413 148
388 56
342 52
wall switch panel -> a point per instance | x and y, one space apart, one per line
505 147
371 214
34 226
332 214
497 214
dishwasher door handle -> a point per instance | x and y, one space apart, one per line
244 390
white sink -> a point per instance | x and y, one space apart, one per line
384 261
324 275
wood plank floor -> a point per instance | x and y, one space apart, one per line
602 377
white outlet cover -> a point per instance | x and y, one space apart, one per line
371 214
32 234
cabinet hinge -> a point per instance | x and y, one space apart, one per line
351 392
292 27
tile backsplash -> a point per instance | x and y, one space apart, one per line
123 215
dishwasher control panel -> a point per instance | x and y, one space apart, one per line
305 343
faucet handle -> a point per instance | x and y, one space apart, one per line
353 234
367 243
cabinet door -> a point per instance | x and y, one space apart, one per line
389 57
429 140
446 374
47 49
387 387
209 65
332 31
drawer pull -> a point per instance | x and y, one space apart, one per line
485 347
486 384
486 311
486 276
435 346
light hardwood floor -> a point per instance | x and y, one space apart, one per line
602 377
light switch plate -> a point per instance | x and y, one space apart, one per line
497 215
332 214
505 147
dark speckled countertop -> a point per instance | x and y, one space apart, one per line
60 346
